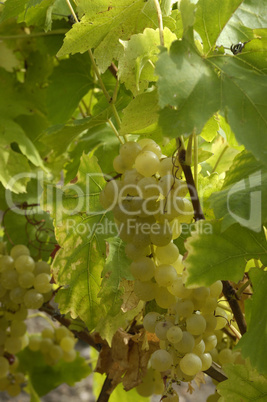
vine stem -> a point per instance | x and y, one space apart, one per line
195 159
159 13
115 131
101 83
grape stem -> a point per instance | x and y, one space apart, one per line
160 21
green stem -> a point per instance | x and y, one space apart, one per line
242 288
161 35
195 159
115 131
34 34
219 159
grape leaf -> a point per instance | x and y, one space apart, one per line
136 65
140 113
34 365
243 384
244 102
214 254
254 341
81 227
115 269
248 16
187 82
104 25
210 129
38 14
254 54
73 77
211 18
12 8
243 193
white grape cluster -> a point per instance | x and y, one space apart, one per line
24 284
54 344
149 204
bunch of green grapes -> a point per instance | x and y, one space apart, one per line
149 204
55 344
24 284
11 379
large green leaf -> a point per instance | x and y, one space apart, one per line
12 9
73 77
243 384
187 82
242 197
136 65
254 341
104 24
44 378
249 15
211 18
214 254
244 103
81 228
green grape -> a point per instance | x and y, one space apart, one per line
184 308
21 314
4 367
129 152
226 356
134 252
188 212
206 361
26 280
146 388
175 228
13 344
3 336
164 298
191 364
118 164
216 289
42 267
6 263
162 328
182 376
168 183
147 163
201 293
67 343
18 250
210 305
196 324
35 343
148 188
2 291
33 299
48 333
16 295
18 328
13 389
129 182
186 344
167 167
61 332
143 269
19 377
199 348
167 254
178 289
45 345
42 283
141 240
24 263
56 352
161 234
153 147
214 354
174 334
69 356
170 208
145 291
165 275
161 360
4 383
210 342
222 318
9 279
211 322
150 320
214 397
174 397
